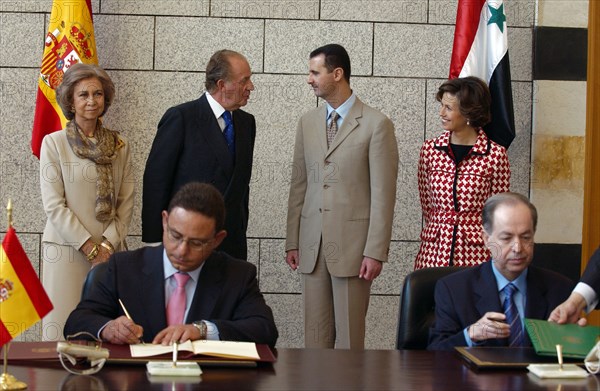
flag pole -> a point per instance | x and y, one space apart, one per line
9 213
8 381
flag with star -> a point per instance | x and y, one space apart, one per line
481 49
70 39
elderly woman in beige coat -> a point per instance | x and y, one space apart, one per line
87 191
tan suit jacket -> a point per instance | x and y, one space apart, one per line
68 185
344 194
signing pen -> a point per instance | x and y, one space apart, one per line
128 316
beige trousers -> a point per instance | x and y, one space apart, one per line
335 309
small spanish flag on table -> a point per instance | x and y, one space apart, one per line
23 300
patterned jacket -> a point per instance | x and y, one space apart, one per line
452 198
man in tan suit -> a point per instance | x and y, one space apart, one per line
341 204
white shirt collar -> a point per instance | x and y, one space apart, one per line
216 107
343 109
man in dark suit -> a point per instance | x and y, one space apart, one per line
195 143
485 305
583 298
219 298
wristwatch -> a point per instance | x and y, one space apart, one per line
201 326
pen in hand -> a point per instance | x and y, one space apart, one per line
128 316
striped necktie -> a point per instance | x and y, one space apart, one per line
512 316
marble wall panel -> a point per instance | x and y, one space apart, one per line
186 44
268 9
563 13
277 103
519 152
402 100
157 7
289 43
288 314
27 5
275 274
403 11
404 50
382 322
520 47
21 39
19 169
124 41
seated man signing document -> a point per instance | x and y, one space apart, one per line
182 290
485 305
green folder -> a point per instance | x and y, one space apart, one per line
576 341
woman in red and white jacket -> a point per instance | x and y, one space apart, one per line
458 171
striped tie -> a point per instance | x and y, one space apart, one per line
512 317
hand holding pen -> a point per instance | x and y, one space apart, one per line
122 330
129 317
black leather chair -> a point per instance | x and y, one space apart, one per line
95 274
417 306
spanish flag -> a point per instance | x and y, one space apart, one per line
481 49
70 40
23 300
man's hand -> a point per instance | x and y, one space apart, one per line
570 311
491 325
177 333
122 331
370 269
292 259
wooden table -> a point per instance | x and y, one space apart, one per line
311 369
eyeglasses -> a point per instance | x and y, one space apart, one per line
193 244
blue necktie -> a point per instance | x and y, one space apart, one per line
512 317
228 132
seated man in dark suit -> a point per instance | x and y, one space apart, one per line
584 297
485 305
181 290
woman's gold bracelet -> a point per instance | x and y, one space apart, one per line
106 244
93 253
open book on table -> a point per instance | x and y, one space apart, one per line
224 349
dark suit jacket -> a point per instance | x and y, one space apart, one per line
462 298
591 275
190 146
227 294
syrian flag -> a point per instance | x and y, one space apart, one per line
481 49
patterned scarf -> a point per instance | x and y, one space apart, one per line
103 152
